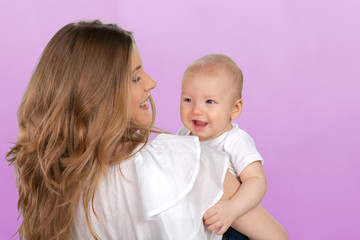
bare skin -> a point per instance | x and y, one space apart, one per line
257 224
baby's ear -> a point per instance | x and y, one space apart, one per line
237 109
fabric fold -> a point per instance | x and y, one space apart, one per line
179 179
166 168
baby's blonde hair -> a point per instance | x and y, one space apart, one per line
214 64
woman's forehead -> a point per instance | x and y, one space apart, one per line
136 59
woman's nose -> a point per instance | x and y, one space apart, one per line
150 83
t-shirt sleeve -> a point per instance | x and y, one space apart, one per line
242 150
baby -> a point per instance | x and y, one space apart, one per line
210 100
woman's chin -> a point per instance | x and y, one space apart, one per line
144 122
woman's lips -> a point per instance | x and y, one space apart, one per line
144 105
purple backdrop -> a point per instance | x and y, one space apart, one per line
301 103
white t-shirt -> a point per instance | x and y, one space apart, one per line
237 143
158 194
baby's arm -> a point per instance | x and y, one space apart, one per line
257 223
247 197
253 188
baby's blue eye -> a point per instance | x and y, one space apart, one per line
136 79
187 100
210 101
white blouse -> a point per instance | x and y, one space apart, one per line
160 193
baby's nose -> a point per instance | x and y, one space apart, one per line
197 109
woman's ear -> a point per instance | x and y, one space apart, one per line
237 109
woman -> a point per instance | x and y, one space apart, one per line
84 166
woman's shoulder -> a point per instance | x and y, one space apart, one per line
165 138
165 143
162 145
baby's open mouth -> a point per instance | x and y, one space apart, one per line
199 124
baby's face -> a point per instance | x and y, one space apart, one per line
207 105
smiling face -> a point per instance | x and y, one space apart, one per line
140 86
208 104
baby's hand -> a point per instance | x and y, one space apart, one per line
220 216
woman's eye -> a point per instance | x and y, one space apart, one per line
136 79
210 101
187 100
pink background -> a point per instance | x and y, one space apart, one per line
301 94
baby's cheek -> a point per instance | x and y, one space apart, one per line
182 112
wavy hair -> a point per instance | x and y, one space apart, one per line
73 123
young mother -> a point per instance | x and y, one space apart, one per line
85 167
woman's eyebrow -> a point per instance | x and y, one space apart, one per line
137 68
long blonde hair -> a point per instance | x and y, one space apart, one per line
73 123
